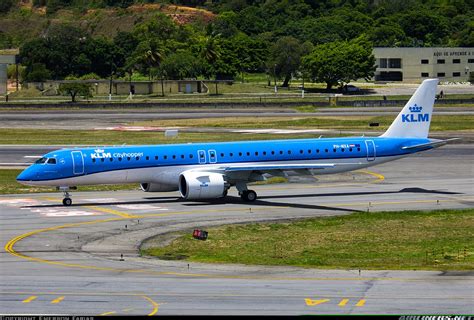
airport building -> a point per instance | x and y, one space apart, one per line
6 57
417 64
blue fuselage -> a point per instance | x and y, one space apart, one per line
82 165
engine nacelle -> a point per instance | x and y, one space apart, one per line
202 185
157 187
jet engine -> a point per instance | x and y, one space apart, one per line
157 187
202 185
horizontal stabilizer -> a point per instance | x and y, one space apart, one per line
434 144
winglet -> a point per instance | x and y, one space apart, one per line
415 118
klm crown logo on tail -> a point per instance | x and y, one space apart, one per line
415 115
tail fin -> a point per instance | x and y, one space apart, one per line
415 118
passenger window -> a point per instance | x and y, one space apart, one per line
342 149
334 150
128 158
222 155
182 156
281 151
190 156
147 157
102 160
111 159
120 159
165 157
256 153
309 150
317 150
358 149
350 149
137 158
156 157
231 154
174 157
240 154
93 160
301 151
273 152
248 153
326 150
289 151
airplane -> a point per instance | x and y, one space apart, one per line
208 170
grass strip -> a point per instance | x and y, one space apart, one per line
428 240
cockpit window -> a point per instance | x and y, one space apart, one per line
42 160
51 161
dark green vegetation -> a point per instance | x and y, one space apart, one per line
8 185
227 39
440 240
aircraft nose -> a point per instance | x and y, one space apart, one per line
25 175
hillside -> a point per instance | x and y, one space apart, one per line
25 21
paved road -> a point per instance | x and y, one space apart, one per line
67 260
80 119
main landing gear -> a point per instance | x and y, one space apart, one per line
248 195
245 194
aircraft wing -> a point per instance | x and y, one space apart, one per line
256 171
284 167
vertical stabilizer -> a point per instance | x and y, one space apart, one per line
415 118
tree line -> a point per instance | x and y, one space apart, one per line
326 40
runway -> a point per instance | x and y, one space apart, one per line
58 260
96 119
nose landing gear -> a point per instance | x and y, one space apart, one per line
67 201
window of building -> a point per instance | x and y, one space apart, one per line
425 61
383 63
456 74
456 60
470 60
395 63
441 74
425 74
441 61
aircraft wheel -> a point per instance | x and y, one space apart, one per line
249 195
67 202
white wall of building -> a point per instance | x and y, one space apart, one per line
417 64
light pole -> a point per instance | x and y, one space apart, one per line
274 77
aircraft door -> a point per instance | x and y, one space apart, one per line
77 162
212 156
370 150
202 156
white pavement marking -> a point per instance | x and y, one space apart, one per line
141 207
